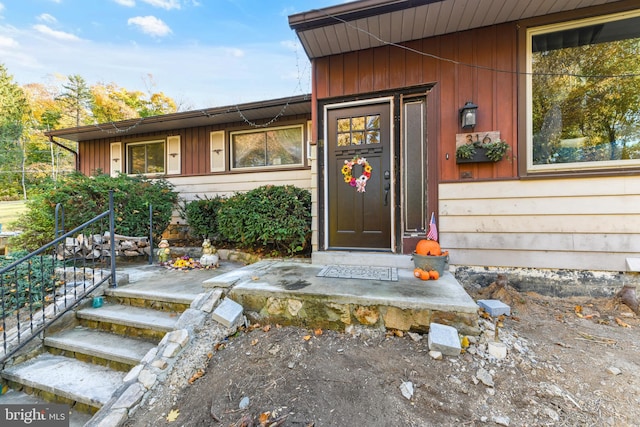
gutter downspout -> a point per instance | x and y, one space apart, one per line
75 153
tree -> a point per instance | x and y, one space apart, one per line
14 110
76 99
112 103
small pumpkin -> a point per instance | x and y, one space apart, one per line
424 275
417 272
428 247
434 275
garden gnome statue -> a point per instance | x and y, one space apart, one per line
209 257
164 252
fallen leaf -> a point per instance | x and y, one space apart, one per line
266 328
306 337
318 332
219 346
173 415
209 355
264 417
255 278
578 310
621 323
199 373
464 343
485 315
398 333
254 342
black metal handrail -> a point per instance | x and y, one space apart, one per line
31 299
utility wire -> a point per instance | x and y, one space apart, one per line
476 66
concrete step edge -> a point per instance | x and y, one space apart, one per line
151 295
136 317
69 378
100 344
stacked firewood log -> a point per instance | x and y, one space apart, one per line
98 246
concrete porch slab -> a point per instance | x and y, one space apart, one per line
291 293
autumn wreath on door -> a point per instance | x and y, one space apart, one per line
347 171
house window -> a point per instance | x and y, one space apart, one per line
583 89
271 147
146 157
358 130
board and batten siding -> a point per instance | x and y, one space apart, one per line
395 69
583 224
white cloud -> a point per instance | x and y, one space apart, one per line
1 7
235 52
150 25
127 3
45 17
60 35
225 75
7 42
164 4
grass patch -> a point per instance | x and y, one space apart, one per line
9 212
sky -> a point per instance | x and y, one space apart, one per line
201 53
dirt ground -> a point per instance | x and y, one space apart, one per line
570 362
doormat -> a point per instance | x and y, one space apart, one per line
389 274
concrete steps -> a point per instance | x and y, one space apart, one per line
65 380
99 347
130 321
85 363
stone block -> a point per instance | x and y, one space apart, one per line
190 318
497 349
444 339
227 313
171 350
180 336
211 302
131 396
494 307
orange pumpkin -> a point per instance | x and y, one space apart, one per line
417 272
424 275
433 274
428 247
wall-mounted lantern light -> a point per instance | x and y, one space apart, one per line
468 115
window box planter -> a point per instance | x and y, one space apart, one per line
481 152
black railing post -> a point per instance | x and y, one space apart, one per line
112 232
150 233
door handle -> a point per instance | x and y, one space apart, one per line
387 187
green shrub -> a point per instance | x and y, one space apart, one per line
275 218
84 197
28 283
202 217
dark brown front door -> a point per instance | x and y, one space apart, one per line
359 219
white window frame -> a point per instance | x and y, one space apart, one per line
573 166
291 165
155 141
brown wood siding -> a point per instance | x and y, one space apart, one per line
194 146
389 68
